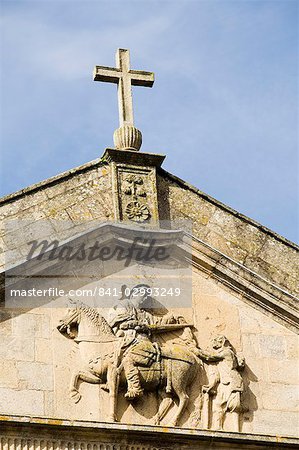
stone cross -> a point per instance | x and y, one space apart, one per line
124 77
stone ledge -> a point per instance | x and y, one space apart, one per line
132 157
160 437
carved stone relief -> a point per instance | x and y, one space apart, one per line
136 210
135 194
128 352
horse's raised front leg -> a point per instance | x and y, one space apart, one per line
84 376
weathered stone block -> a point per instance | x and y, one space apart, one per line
56 189
258 368
49 402
280 256
277 371
282 423
280 397
23 402
79 212
43 350
8 374
236 232
17 237
253 323
221 243
272 346
292 347
251 345
5 322
32 325
36 375
17 348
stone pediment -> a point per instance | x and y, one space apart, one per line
257 318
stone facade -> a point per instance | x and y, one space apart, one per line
37 365
244 286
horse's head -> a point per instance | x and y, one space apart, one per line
84 321
68 324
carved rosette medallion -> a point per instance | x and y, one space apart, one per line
137 212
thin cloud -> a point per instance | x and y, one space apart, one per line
223 106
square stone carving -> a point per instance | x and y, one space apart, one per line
135 194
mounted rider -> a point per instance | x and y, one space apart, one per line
131 322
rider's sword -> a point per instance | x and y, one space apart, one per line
169 327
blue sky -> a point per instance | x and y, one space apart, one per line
224 106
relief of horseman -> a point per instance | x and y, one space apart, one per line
133 360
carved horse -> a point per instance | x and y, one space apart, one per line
171 374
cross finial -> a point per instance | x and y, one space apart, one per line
127 136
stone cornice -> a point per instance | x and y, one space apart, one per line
253 289
132 157
137 435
